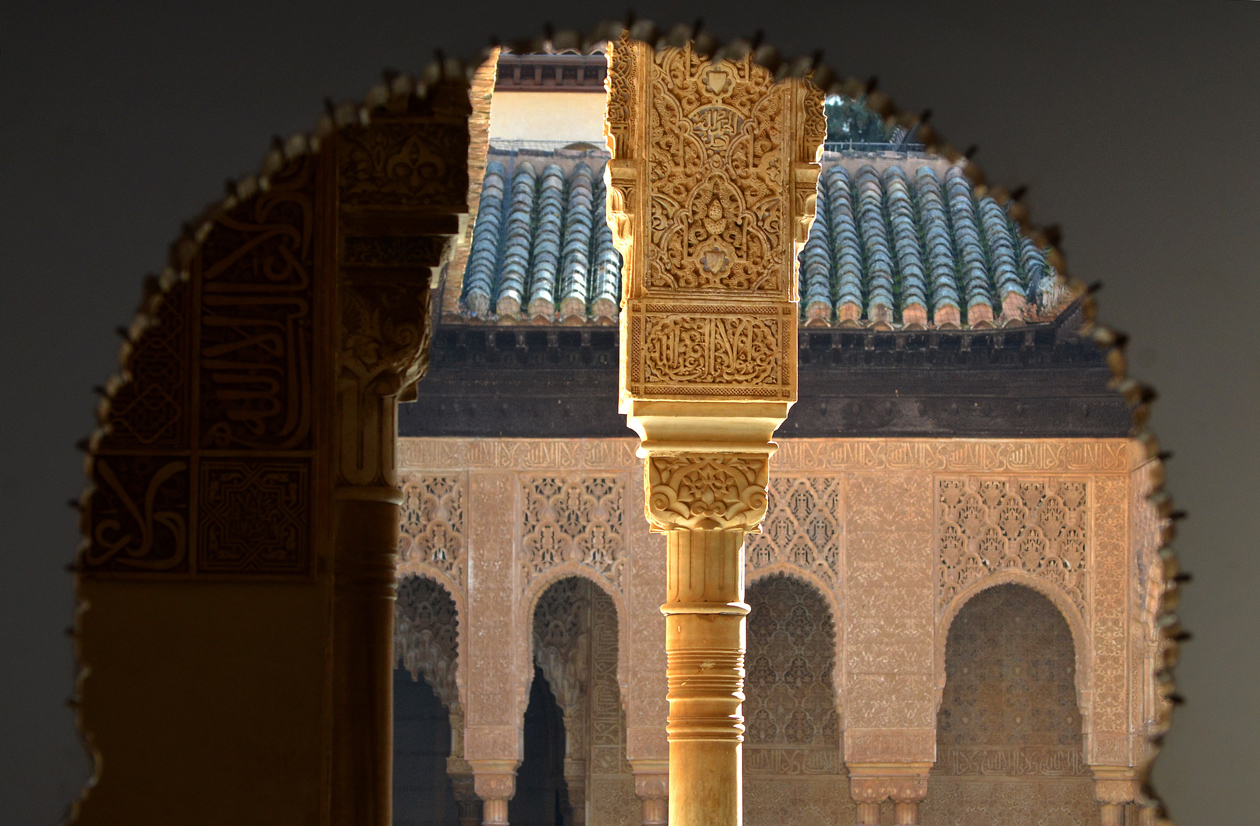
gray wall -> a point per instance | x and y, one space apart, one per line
1134 123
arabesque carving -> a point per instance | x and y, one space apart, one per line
706 491
574 519
987 524
719 141
802 528
433 524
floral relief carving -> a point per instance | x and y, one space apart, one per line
426 626
574 519
802 527
1110 620
718 164
988 524
395 163
711 490
433 523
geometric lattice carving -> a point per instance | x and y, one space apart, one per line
253 516
791 654
433 526
574 519
151 411
988 524
802 527
425 632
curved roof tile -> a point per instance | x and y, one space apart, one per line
891 246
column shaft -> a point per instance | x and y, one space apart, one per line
705 643
363 626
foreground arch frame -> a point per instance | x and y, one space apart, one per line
242 518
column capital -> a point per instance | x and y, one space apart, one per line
495 778
706 491
898 782
1115 785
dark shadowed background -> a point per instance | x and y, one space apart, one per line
1135 125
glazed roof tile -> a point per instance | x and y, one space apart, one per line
896 243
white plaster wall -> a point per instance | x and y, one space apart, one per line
548 116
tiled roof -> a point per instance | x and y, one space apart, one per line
541 247
889 249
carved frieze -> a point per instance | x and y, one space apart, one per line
701 350
793 455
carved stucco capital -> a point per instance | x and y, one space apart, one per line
652 785
385 335
711 491
1115 785
494 779
900 783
